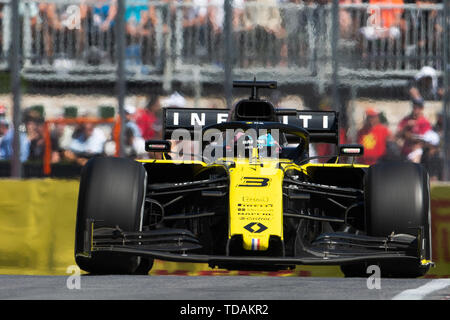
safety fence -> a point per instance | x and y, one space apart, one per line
37 233
319 50
169 37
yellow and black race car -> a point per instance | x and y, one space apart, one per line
240 189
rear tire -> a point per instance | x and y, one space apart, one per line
397 200
112 191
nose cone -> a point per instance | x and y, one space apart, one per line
256 206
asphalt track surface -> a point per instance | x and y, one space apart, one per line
219 288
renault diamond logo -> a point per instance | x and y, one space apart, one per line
254 227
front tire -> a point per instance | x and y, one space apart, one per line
112 191
397 201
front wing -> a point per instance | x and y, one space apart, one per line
329 249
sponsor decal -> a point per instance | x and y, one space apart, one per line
254 199
255 227
254 182
191 118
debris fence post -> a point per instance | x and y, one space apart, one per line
14 54
228 50
121 79
446 75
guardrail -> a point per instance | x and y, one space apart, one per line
166 37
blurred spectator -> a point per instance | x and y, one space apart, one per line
146 118
2 111
262 20
439 125
216 16
134 146
62 24
162 16
88 141
425 85
416 151
174 100
431 158
194 29
34 125
130 113
103 14
346 21
136 16
295 22
425 149
424 32
47 33
318 31
374 137
6 142
411 126
137 21
383 22
101 17
56 136
389 17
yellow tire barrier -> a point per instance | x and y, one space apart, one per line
37 233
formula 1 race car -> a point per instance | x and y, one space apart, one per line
247 194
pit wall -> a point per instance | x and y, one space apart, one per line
37 232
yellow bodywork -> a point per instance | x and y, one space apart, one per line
256 202
256 199
255 196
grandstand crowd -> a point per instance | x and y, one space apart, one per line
415 139
265 32
85 137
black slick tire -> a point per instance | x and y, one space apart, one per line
397 200
112 191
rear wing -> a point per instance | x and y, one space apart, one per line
321 125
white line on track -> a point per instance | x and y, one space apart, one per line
420 292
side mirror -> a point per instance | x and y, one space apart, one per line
157 146
351 150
